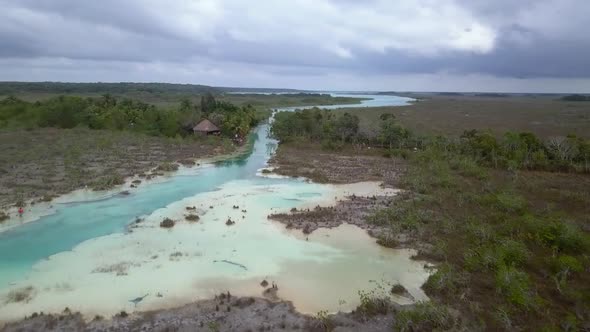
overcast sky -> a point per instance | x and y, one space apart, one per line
424 45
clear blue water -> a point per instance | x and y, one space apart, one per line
73 223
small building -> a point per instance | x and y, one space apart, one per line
206 127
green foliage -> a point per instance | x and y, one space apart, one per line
526 151
468 167
107 112
372 304
506 202
387 241
563 237
566 263
446 280
391 133
425 316
108 182
514 284
167 167
402 153
208 103
492 257
468 155
401 216
346 126
325 321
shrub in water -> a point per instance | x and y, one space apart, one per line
167 223
192 217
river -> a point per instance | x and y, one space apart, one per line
83 256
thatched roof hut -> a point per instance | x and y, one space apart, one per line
206 127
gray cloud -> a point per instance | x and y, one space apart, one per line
279 42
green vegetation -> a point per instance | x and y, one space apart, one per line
166 95
509 238
425 316
286 99
47 162
505 216
512 151
110 113
107 182
372 304
435 115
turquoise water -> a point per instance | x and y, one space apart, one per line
74 223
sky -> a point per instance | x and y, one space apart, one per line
392 45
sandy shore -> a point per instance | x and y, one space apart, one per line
36 208
37 167
195 261
171 265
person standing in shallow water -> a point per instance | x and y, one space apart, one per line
21 211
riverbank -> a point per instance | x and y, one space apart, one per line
164 264
342 167
510 245
50 166
347 165
223 313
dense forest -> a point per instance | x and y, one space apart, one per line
111 113
512 150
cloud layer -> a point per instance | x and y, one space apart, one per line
299 43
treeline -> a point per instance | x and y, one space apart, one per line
510 151
14 88
111 113
576 98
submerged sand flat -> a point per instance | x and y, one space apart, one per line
187 262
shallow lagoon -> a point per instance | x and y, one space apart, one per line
82 257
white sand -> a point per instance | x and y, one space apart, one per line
37 210
324 273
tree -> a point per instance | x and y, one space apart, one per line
186 105
208 103
562 148
391 132
347 126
